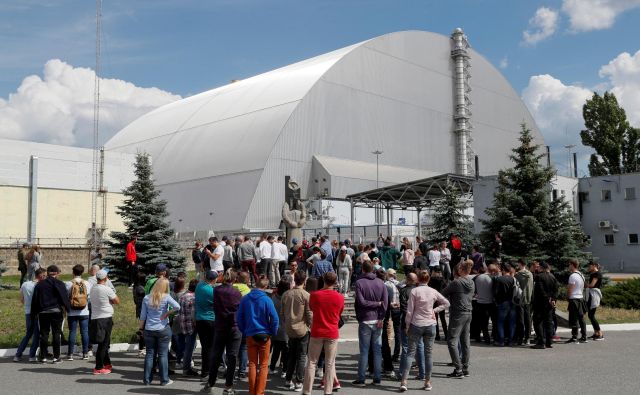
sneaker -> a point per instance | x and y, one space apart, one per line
583 340
272 371
288 385
572 340
319 373
538 347
428 387
101 371
403 387
90 353
598 338
555 338
391 374
33 359
283 375
376 382
69 358
16 359
85 357
56 361
456 374
229 391
43 360
190 373
466 373
108 367
207 389
142 353
358 383
298 387
167 383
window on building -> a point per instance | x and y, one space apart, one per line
554 194
584 196
630 193
608 239
633 238
606 195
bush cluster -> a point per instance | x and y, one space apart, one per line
625 295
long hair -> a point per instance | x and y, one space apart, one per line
158 292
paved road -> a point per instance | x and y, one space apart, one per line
610 366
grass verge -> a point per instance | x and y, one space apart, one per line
608 315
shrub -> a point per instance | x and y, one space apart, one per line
625 295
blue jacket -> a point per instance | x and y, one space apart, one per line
257 314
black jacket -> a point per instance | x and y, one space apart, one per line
48 294
545 288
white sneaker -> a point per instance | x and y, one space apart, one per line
16 359
298 387
142 353
167 383
89 353
33 359
283 375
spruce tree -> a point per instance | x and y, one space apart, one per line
144 214
449 216
565 238
521 203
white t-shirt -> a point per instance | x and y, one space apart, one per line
577 281
445 255
217 264
100 296
266 250
280 252
27 294
85 311
434 258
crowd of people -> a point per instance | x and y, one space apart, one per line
260 307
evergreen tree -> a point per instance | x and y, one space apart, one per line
449 216
565 238
144 214
521 203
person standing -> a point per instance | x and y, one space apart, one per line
483 306
196 257
523 324
545 292
389 255
445 260
371 306
460 294
280 346
33 259
438 282
297 322
327 306
102 300
131 257
345 267
455 246
33 328
187 322
154 320
393 312
410 283
420 324
205 319
49 302
575 295
247 256
258 321
78 291
280 257
22 262
266 256
503 295
594 298
434 258
226 300
216 256
478 259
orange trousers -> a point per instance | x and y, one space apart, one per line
258 354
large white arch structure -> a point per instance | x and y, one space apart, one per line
228 150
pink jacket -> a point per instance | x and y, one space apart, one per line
420 310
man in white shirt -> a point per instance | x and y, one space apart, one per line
102 300
266 255
434 257
576 303
216 256
445 260
280 257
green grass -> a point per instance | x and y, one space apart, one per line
12 323
608 315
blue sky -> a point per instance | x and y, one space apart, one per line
185 47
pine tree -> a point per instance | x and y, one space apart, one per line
521 203
449 216
565 238
144 214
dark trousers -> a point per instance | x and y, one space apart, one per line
281 266
394 316
263 266
297 358
23 275
576 318
543 324
250 266
229 341
480 321
592 316
100 332
523 323
50 322
441 319
133 273
279 350
206 332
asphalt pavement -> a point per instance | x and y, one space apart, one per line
609 366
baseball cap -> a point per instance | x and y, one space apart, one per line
161 268
211 275
294 241
101 275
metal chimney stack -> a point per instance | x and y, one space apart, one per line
462 115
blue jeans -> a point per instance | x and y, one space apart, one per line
424 335
83 320
33 334
369 336
157 342
187 343
405 362
506 312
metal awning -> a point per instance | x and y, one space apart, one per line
416 195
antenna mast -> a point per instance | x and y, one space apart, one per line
96 119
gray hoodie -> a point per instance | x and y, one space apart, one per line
525 279
460 293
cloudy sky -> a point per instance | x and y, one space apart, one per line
555 53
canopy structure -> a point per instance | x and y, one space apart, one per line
417 195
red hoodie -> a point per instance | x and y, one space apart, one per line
131 252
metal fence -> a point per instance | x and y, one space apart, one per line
45 241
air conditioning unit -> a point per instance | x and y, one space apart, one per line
604 224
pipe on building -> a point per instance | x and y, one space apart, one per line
462 114
575 165
33 199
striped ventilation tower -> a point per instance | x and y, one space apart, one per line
462 114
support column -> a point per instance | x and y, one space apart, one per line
352 221
33 199
389 222
419 232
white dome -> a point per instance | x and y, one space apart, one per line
227 150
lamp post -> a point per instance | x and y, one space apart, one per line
377 153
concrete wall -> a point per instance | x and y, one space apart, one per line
623 215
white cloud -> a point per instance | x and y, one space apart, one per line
543 25
504 62
586 15
623 73
58 108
